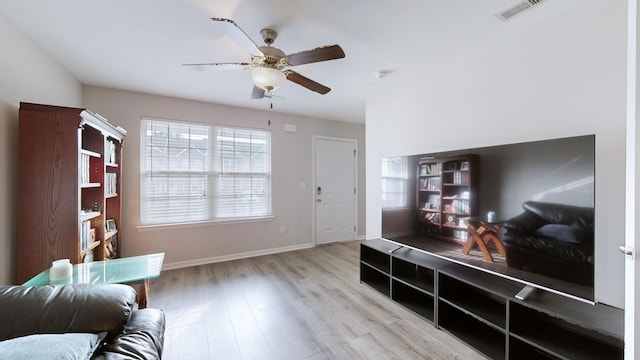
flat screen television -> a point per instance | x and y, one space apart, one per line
556 171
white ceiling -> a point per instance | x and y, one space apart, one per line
139 45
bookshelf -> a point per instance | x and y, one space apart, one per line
446 195
70 187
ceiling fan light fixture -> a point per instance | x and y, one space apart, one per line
267 78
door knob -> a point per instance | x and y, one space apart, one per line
625 250
319 200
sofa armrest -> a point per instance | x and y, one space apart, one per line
551 213
66 308
143 338
526 223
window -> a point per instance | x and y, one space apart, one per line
192 172
394 182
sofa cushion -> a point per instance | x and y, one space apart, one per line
71 346
564 233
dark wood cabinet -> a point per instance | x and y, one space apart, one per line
69 187
446 193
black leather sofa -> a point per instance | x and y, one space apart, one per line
78 321
556 240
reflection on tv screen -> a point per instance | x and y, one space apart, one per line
523 211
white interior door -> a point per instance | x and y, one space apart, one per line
335 190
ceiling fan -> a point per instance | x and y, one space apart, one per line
270 65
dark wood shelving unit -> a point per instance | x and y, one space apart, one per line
70 181
480 308
446 190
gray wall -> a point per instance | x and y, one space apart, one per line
186 245
26 74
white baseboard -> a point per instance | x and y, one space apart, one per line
215 259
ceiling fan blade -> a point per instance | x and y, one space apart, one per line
232 30
306 82
320 54
218 66
257 93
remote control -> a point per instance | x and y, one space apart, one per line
525 292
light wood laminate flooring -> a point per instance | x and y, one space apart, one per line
306 304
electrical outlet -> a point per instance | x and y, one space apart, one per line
282 229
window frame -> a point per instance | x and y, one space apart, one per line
403 179
207 170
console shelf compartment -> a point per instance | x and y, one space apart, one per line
375 278
561 338
413 270
377 254
483 337
375 265
483 305
418 301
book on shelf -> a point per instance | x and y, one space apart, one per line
87 235
111 152
110 183
434 201
431 169
458 206
433 183
433 217
460 177
85 168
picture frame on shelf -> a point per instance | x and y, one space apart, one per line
110 225
464 165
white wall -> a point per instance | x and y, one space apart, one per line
291 165
30 75
563 76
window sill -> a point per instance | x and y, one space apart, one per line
162 227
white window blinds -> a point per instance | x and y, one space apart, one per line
197 172
394 182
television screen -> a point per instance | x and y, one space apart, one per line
524 211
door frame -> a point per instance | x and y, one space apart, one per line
632 184
314 139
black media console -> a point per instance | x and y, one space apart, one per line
481 309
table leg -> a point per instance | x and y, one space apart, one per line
142 289
468 245
485 251
143 296
498 244
478 237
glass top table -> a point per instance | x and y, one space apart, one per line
127 270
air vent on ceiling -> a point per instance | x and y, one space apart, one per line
517 9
